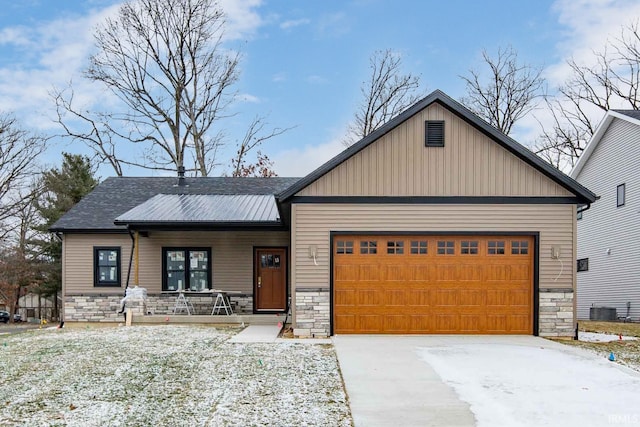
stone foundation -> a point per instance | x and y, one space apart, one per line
312 313
556 313
105 308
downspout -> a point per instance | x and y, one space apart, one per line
133 248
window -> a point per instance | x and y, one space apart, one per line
469 247
419 247
434 133
368 247
344 247
186 269
519 247
445 247
495 247
583 264
579 215
395 247
106 266
620 193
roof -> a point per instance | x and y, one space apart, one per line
203 209
113 197
440 97
631 116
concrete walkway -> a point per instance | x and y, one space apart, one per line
389 385
257 333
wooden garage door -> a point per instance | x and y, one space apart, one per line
433 284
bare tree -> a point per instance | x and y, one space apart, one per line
611 81
164 60
386 93
19 152
254 137
507 93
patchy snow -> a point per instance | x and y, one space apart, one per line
510 385
600 337
166 375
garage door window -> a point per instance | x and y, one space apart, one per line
368 247
419 247
344 247
469 247
445 247
395 247
495 247
519 247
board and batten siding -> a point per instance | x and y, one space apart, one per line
613 279
469 164
231 251
312 224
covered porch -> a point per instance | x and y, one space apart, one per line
188 250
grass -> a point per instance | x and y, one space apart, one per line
166 375
626 352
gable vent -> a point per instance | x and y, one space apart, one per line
434 133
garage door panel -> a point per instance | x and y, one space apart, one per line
467 290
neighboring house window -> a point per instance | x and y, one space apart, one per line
620 198
186 269
106 266
579 215
583 264
434 133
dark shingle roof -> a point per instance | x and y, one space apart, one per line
115 196
634 114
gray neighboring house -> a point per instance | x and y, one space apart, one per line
608 260
435 223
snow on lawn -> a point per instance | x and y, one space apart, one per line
509 385
600 337
166 376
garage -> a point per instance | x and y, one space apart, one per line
433 284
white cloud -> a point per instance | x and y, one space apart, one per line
279 77
316 80
286 25
242 18
302 161
251 99
589 24
333 25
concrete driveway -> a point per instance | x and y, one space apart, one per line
484 381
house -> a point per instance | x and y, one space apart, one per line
609 233
434 223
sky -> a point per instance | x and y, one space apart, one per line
303 62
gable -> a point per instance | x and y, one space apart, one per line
614 158
470 164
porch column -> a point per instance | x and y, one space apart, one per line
135 258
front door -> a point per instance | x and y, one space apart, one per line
270 281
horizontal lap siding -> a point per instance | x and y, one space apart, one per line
312 224
613 279
398 164
78 261
232 254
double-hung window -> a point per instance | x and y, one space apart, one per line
186 269
106 266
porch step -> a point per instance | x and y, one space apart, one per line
234 319
257 333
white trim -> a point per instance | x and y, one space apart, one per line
597 136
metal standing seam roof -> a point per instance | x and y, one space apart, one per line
201 209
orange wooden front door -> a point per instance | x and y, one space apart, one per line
270 281
433 284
